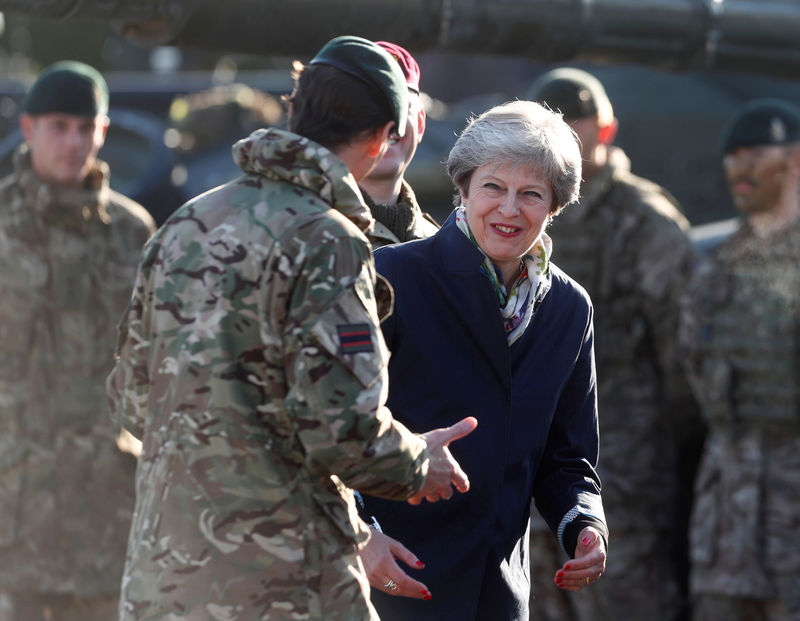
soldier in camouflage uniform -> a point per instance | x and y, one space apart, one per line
741 333
398 217
626 243
252 366
69 247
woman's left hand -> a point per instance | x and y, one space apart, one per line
380 556
587 566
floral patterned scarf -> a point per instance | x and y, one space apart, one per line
516 305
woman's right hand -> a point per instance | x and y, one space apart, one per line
587 566
379 557
443 469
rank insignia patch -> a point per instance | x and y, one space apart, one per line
355 338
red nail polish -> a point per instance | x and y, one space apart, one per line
424 591
429 596
420 564
567 566
586 541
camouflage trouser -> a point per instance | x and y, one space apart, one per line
638 583
26 606
785 607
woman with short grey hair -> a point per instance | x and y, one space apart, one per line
484 325
520 133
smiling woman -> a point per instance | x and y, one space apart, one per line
484 325
507 209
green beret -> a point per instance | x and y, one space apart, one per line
373 65
68 87
761 122
573 92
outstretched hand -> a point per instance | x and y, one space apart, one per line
587 566
379 557
443 470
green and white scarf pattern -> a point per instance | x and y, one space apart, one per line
516 305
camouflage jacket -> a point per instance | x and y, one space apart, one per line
625 242
741 335
415 224
68 260
253 368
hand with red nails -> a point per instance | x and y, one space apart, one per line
587 566
443 470
380 555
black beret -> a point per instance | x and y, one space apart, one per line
373 65
68 87
761 122
573 92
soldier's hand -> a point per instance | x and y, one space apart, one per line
444 471
380 556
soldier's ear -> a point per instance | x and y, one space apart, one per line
607 133
26 122
420 123
376 144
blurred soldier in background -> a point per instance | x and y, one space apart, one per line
626 243
69 247
253 367
390 198
741 332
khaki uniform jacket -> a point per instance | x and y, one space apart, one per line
741 336
253 368
68 260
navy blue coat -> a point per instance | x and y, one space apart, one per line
537 435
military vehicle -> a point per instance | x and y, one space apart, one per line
674 69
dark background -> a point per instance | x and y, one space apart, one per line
669 121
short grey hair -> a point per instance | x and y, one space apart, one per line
525 134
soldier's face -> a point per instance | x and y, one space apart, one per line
588 130
758 176
63 146
399 154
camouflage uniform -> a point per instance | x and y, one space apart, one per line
253 368
626 244
68 260
740 329
400 222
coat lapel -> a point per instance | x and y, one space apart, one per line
468 292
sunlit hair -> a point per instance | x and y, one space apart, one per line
523 134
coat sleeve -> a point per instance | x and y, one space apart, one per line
336 372
567 487
127 385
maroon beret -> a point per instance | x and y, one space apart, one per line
406 61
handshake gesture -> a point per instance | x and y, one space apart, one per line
381 552
443 470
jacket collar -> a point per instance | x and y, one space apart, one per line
283 155
469 293
593 192
61 205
